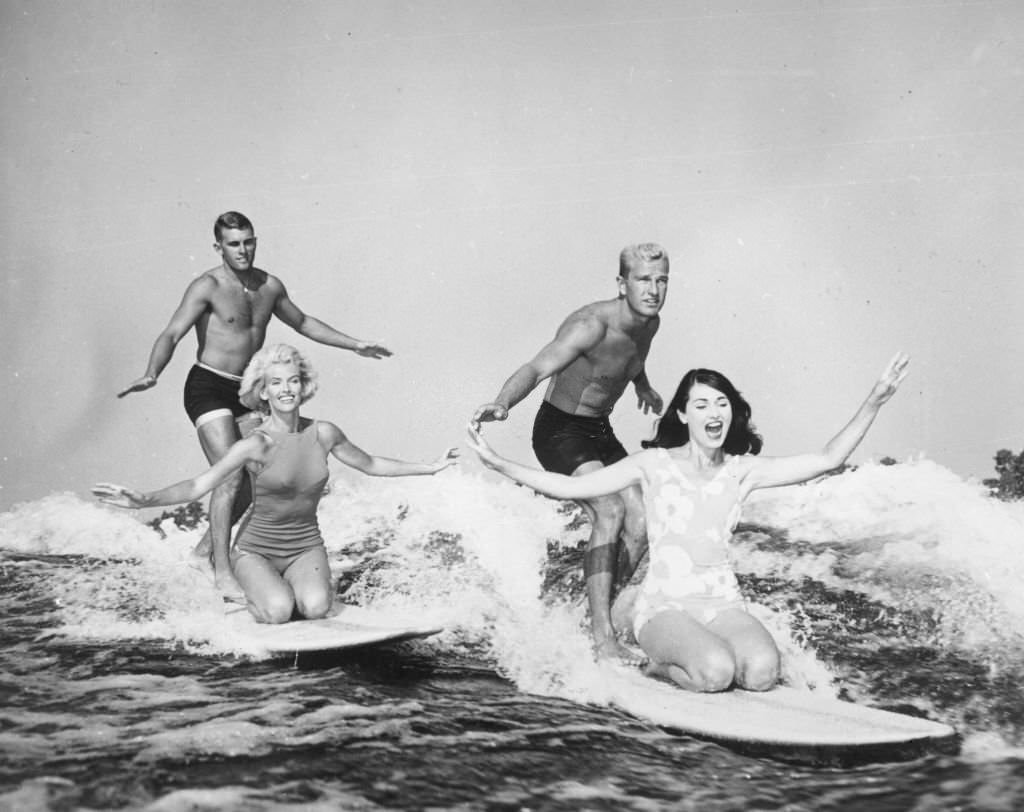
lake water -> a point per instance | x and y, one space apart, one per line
898 586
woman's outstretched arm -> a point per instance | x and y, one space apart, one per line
249 449
769 472
601 482
352 455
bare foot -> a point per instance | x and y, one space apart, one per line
223 582
657 671
230 590
622 612
614 651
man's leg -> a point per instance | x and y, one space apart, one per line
633 538
606 514
227 503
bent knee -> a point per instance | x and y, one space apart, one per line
713 672
315 607
609 510
634 525
759 673
279 610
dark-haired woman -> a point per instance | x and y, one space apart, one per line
690 618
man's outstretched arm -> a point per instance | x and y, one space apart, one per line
572 341
192 306
321 332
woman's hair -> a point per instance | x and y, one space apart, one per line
254 378
672 432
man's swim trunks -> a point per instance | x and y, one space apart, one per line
563 441
207 390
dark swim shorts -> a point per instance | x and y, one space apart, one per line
563 441
206 391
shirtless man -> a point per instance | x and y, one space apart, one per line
596 352
230 306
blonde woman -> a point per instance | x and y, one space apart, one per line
278 556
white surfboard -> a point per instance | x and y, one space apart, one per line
781 723
349 627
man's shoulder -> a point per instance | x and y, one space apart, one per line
206 282
595 314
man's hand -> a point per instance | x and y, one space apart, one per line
139 385
648 400
488 413
368 350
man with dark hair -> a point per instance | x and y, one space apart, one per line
596 352
230 306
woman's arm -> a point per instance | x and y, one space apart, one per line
247 450
601 482
352 455
769 472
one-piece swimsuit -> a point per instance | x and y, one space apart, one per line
689 525
286 493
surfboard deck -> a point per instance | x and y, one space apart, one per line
349 628
783 723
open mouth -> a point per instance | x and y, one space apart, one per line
714 429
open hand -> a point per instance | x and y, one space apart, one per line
138 385
118 495
891 378
446 460
368 350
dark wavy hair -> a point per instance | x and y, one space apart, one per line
672 432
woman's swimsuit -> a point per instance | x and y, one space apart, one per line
286 492
689 525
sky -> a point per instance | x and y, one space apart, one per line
833 181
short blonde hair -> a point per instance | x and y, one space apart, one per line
645 253
254 378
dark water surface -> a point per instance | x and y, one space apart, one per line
895 587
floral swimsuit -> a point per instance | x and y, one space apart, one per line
689 525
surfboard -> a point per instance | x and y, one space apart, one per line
783 723
348 628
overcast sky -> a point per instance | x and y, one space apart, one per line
833 181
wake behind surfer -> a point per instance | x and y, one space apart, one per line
597 351
229 307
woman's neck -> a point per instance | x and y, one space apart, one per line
287 423
704 458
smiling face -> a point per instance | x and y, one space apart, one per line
708 415
237 246
282 387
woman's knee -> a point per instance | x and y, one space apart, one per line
759 671
714 671
272 608
313 606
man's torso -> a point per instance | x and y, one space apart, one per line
592 384
234 325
